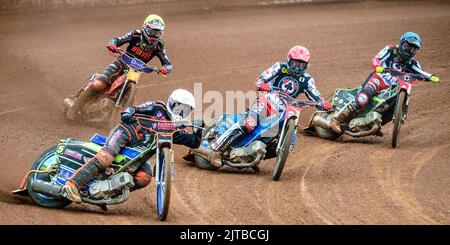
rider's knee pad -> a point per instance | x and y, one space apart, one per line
362 99
141 179
104 158
100 84
250 124
375 84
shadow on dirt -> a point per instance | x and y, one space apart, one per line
8 197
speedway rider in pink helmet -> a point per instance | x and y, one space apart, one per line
289 77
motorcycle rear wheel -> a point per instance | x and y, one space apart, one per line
326 133
45 160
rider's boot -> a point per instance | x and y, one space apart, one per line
89 94
220 145
69 101
341 116
379 133
216 159
82 176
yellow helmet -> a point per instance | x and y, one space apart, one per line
154 21
152 29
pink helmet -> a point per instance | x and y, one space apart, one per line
298 58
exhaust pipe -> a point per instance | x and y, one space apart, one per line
372 131
46 188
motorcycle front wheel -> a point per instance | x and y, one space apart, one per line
163 183
398 116
127 100
286 137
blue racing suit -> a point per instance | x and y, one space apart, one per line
277 77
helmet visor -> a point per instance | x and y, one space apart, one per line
297 65
181 110
154 33
409 49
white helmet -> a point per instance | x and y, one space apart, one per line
180 104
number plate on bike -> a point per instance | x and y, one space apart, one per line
133 75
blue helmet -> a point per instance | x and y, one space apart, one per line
410 43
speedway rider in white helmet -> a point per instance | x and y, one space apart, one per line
179 106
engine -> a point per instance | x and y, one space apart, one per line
248 153
112 187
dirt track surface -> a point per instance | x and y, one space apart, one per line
45 57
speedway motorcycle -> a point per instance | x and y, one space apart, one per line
274 137
390 104
120 95
48 174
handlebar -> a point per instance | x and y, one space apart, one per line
199 123
405 75
293 101
140 62
165 126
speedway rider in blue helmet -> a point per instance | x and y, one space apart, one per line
399 57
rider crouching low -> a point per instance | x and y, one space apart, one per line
398 57
143 44
289 77
179 106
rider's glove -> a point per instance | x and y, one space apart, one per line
324 105
163 70
379 69
127 115
434 79
113 48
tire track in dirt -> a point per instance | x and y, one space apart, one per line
348 181
396 180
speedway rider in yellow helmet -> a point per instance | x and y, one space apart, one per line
143 44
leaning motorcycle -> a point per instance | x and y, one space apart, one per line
51 170
274 137
120 95
390 104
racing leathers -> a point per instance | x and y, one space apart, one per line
388 57
275 78
128 132
99 83
133 38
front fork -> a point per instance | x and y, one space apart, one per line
294 136
405 112
158 166
122 91
405 109
283 134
